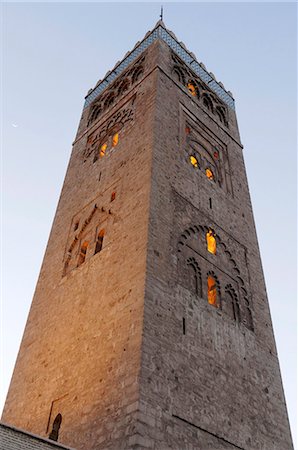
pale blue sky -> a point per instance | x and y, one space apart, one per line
54 52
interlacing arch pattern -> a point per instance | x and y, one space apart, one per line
198 89
100 135
203 160
119 87
243 312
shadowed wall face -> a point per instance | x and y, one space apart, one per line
210 373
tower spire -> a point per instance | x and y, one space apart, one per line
161 13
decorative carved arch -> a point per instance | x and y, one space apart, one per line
178 73
95 112
234 302
246 314
220 112
192 263
124 86
205 158
206 98
138 72
109 100
118 87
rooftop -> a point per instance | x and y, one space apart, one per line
12 438
161 32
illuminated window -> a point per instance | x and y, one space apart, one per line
83 252
216 154
56 426
113 196
103 149
115 139
212 291
194 161
187 130
191 89
209 174
99 241
211 242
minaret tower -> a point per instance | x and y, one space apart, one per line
150 325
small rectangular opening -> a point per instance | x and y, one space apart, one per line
210 203
183 325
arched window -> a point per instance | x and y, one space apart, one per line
209 173
83 252
99 241
207 102
115 139
231 303
213 291
178 74
102 149
56 427
211 242
191 89
204 159
247 315
96 110
109 100
221 114
194 277
194 161
123 87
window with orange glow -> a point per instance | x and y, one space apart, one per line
99 241
191 89
211 242
209 174
113 196
103 149
115 139
194 161
83 252
212 291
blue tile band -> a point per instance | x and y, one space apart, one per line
162 33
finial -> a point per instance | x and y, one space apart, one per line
161 13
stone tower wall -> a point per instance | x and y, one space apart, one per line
80 354
126 346
218 385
